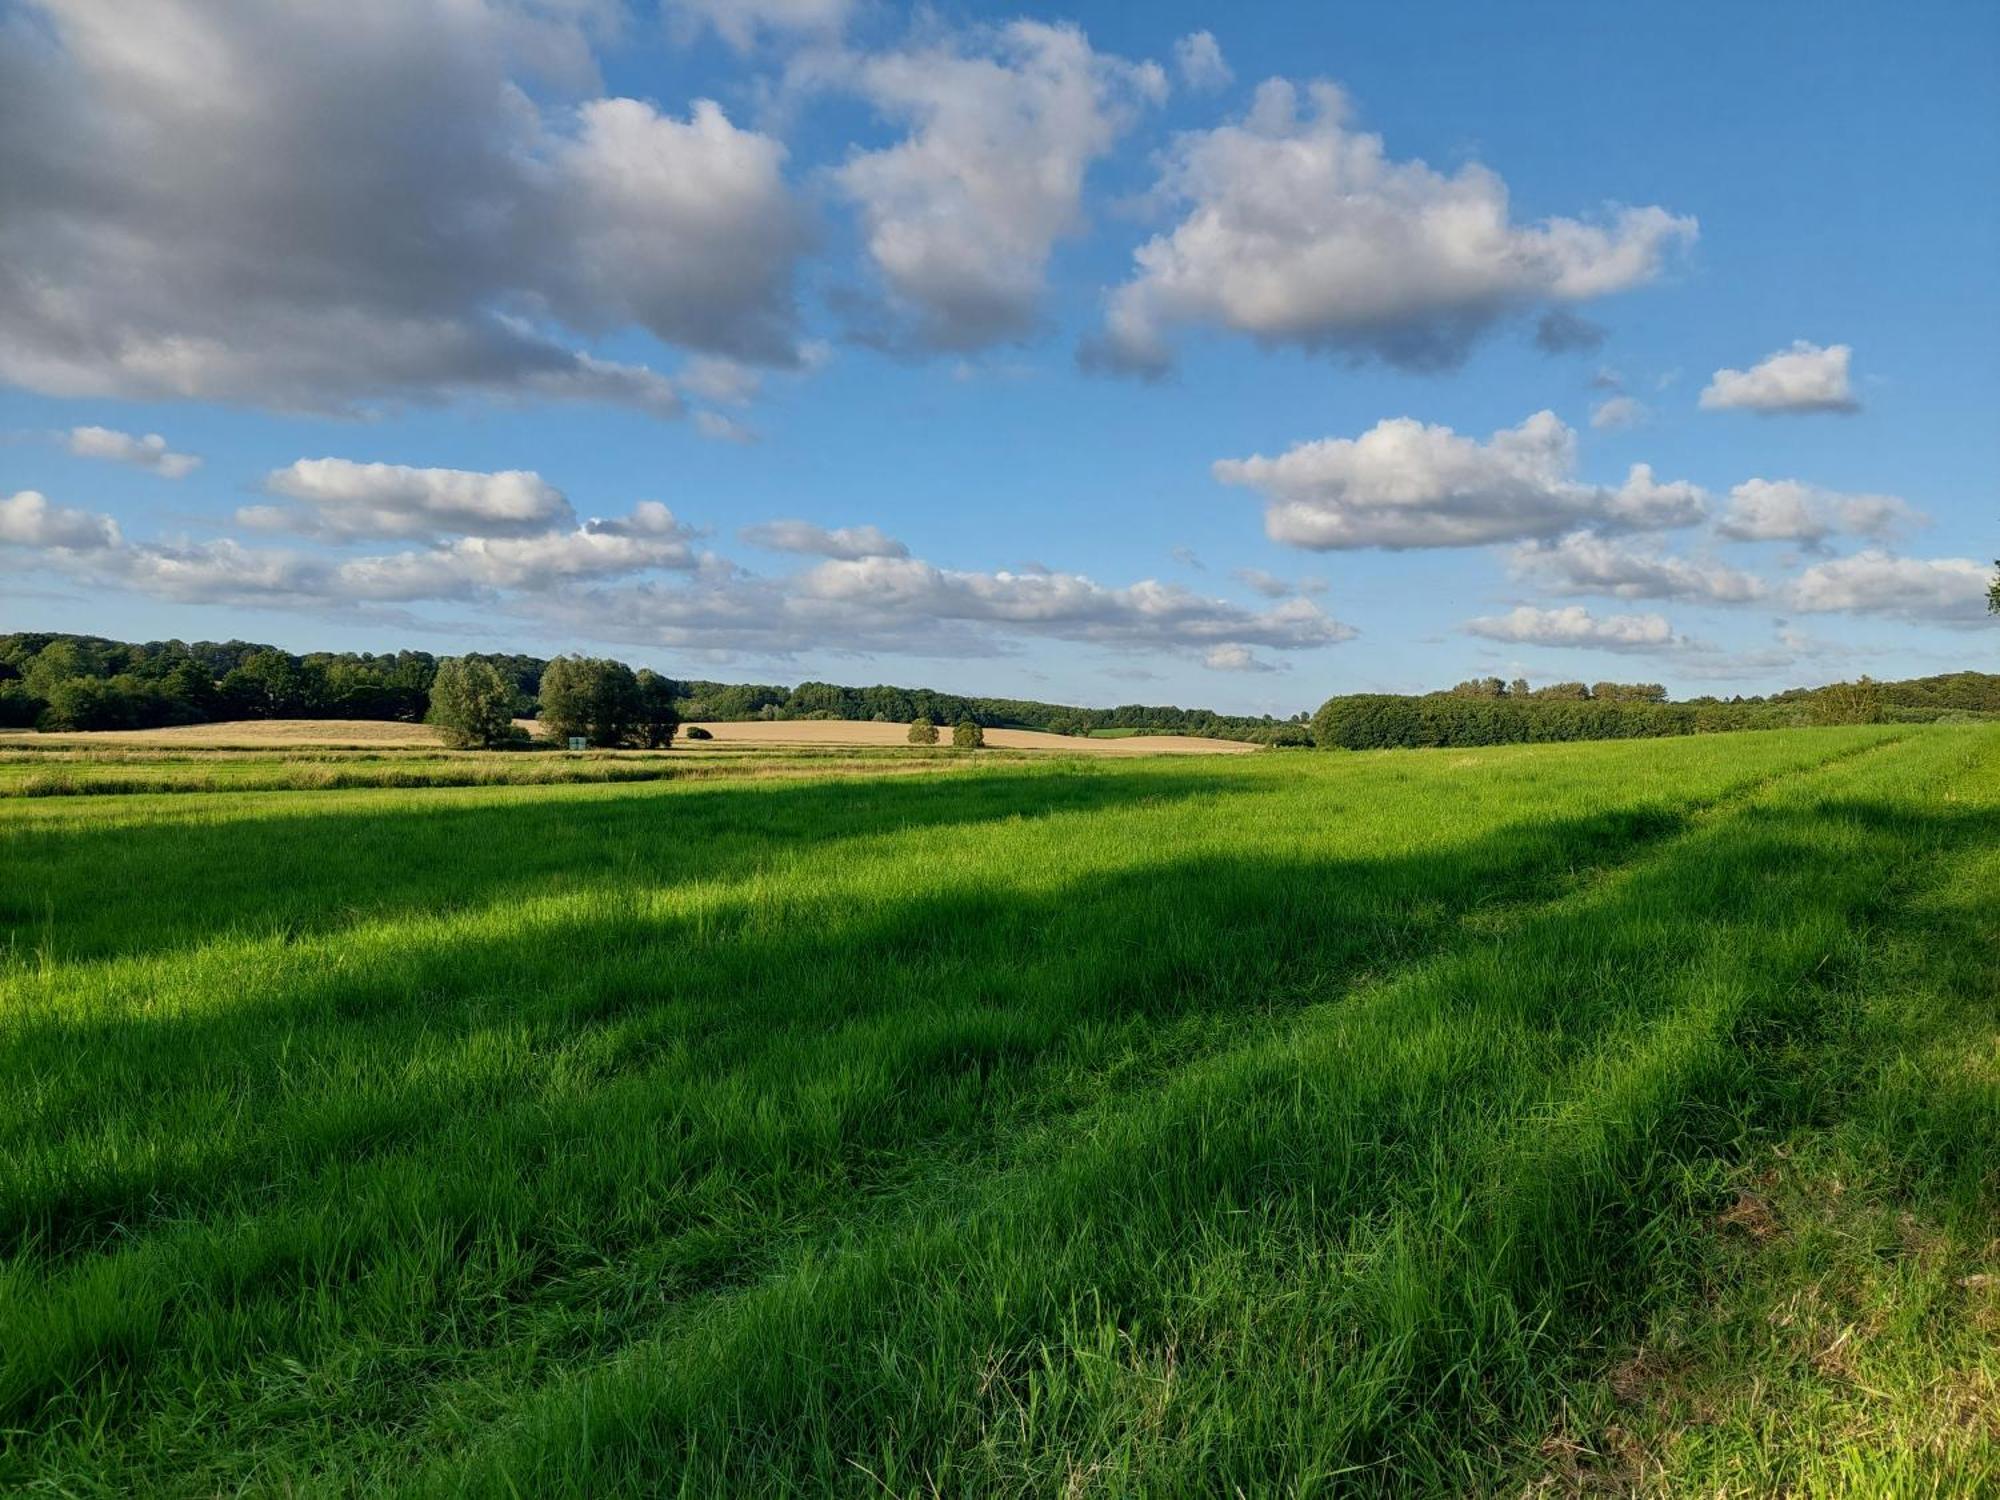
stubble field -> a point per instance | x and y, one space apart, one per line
1614 1118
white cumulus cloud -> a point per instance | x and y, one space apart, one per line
340 499
28 519
318 206
1787 510
1407 484
960 216
1300 230
1585 563
474 565
148 452
1803 378
1574 625
1933 590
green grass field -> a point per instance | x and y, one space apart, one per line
1617 1118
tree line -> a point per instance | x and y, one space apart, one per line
59 682
1487 711
64 682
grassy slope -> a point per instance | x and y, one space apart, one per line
1291 1122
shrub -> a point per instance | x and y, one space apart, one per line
966 735
696 732
1847 703
922 731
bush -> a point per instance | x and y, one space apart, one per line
922 731
966 735
1847 703
696 732
472 705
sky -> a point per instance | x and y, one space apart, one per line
1229 356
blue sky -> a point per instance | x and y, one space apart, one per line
486 337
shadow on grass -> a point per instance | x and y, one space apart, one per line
182 882
913 1026
924 984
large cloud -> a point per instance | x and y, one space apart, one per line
1584 563
1786 510
1406 484
1576 626
340 498
1803 378
1933 590
1302 231
149 452
960 215
315 206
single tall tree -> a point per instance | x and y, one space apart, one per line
472 706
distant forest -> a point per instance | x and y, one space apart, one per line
57 682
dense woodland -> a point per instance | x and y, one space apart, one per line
60 682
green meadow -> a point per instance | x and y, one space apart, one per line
1613 1118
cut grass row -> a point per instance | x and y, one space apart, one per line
1147 1126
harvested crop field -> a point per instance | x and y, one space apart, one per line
1597 1118
255 734
859 732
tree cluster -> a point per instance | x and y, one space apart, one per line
1610 692
607 703
1378 721
86 682
721 701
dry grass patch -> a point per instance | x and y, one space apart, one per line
867 732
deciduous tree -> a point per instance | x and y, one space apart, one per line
472 706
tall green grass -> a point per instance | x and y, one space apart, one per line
1283 1125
